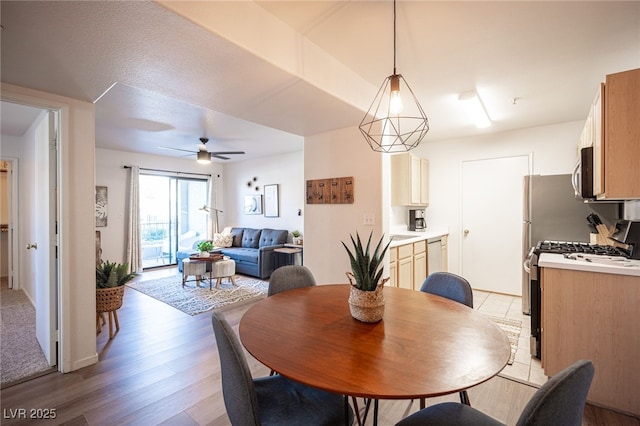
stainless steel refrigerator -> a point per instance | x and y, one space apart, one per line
552 212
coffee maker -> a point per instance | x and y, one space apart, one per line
416 220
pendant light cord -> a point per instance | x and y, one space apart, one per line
394 37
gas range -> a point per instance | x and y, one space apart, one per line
534 290
564 247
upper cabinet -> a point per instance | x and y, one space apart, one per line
616 153
409 180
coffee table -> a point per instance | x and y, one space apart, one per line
218 269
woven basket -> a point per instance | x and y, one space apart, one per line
109 299
366 306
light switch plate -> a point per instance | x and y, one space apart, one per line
369 219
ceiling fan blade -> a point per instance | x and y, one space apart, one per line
227 152
176 149
221 157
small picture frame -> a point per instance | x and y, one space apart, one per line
101 210
253 204
271 201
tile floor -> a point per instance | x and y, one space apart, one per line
524 368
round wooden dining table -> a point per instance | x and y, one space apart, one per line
425 345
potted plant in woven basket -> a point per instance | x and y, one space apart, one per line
366 301
110 280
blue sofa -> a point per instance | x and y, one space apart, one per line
251 249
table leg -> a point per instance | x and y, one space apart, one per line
375 413
356 410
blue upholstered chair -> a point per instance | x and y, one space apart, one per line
449 285
560 401
273 400
452 287
289 277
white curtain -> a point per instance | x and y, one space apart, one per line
213 204
134 243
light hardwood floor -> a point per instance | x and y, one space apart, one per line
163 368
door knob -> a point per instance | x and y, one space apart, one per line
30 246
466 232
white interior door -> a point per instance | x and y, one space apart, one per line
492 223
44 264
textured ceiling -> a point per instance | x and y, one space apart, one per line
258 76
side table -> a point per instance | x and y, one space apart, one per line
289 253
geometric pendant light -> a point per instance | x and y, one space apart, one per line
395 121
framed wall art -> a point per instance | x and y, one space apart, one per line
253 204
271 200
101 206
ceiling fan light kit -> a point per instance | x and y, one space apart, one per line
204 157
391 124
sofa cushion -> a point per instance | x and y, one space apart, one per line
251 238
222 240
272 237
237 236
241 254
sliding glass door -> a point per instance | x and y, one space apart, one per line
170 217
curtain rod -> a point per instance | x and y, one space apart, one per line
171 171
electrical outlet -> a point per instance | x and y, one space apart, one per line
369 219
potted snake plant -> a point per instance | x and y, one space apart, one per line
366 301
110 280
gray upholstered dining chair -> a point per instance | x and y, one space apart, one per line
273 400
452 287
560 401
289 277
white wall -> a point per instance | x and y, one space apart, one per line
553 148
340 153
285 170
110 172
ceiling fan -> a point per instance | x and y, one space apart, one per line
203 155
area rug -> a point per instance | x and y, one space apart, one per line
512 329
194 300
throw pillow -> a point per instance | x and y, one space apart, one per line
222 240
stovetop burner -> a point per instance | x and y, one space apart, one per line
563 247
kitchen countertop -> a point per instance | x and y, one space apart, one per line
415 236
602 264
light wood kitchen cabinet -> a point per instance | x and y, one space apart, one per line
617 153
409 180
393 266
420 267
405 266
594 316
408 265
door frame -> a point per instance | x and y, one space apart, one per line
13 258
60 309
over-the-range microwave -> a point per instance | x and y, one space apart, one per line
582 179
